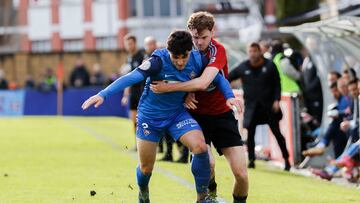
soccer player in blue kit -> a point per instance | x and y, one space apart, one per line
159 113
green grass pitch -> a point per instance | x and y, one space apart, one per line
62 159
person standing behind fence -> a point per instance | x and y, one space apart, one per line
289 75
3 82
150 46
79 77
262 94
132 94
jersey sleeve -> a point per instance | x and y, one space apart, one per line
217 57
150 67
224 86
121 83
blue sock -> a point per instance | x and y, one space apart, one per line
331 170
353 150
142 179
200 168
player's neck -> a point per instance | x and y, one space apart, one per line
133 52
257 63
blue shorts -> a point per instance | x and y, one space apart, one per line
153 130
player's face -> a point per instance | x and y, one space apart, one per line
130 45
201 40
254 55
180 61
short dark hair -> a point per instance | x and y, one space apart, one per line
179 42
350 71
255 45
201 21
276 47
355 80
337 74
130 37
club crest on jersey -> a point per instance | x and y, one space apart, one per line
192 75
264 69
212 59
145 66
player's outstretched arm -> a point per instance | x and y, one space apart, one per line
121 83
197 84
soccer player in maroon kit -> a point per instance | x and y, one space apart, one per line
208 105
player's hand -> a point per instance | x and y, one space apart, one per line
233 103
125 100
159 86
345 125
96 99
190 101
276 106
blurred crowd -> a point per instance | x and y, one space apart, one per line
342 133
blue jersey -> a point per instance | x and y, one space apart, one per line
166 105
159 67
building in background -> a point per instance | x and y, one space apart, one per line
40 27
77 25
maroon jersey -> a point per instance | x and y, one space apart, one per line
212 101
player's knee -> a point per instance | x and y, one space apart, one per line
241 176
199 147
146 169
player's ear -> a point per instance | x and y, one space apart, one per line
212 32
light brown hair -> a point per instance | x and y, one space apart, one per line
201 21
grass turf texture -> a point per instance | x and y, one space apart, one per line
63 159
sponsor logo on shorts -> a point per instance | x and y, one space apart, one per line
190 122
146 132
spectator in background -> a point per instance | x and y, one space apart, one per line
262 93
79 77
311 88
343 88
29 82
132 94
348 74
265 48
97 77
332 77
350 126
49 81
333 133
289 75
3 82
150 46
